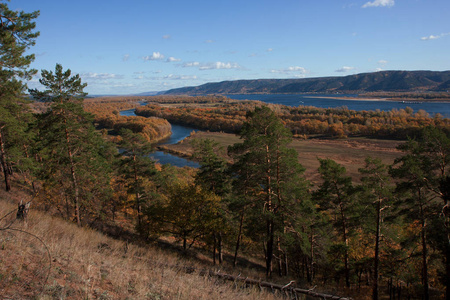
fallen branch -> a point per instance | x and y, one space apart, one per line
269 285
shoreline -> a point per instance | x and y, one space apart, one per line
401 100
349 98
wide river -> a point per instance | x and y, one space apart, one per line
315 100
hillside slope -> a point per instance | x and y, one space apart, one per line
389 81
48 258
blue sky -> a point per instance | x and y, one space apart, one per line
134 46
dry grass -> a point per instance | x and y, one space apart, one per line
84 264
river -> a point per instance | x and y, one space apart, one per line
178 133
315 100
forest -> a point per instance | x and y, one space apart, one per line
386 234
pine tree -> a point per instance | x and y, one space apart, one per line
212 176
17 35
377 194
424 174
335 194
188 213
75 156
136 166
212 172
269 170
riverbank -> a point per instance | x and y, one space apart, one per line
349 98
400 100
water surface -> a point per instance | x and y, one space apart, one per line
314 100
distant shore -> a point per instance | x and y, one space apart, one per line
349 98
403 100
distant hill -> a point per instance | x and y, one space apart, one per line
387 81
147 94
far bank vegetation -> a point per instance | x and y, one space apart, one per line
216 113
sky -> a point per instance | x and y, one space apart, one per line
135 46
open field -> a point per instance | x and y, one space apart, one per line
349 152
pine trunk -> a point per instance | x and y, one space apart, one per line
3 164
269 245
312 255
220 246
238 240
74 180
377 253
214 248
426 294
138 201
447 269
345 237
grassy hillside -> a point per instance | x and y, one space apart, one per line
47 258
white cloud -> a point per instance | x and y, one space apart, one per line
345 69
269 50
100 76
126 57
377 3
180 77
168 77
382 62
210 41
219 65
291 70
434 37
191 64
212 65
121 85
173 59
166 37
154 56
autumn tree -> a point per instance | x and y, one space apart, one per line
17 35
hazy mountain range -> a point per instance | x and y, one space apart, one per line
388 81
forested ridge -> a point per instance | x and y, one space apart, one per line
381 81
385 235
